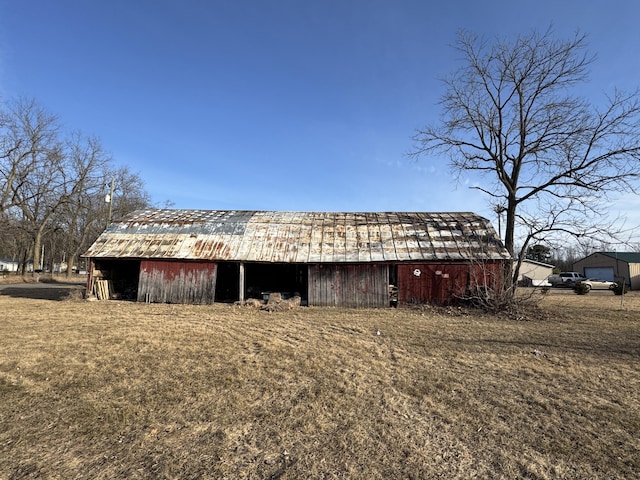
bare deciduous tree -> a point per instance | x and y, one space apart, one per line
28 133
549 159
81 215
129 193
52 187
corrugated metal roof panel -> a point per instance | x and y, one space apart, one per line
299 237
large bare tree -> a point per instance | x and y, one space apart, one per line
547 158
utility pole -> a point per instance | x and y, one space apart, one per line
109 200
499 210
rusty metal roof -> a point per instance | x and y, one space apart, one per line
299 237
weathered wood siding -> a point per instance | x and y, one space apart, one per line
634 275
442 283
365 285
177 282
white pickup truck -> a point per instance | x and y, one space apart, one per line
565 279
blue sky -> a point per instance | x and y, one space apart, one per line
280 105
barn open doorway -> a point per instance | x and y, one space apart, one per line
285 278
393 285
123 277
228 282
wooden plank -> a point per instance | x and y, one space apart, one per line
102 289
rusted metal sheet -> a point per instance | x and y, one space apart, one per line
340 285
177 282
299 237
443 282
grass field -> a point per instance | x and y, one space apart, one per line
106 390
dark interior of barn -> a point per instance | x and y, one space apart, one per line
290 280
123 276
259 279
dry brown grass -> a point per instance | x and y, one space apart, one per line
107 390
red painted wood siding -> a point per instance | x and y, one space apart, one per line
177 282
442 283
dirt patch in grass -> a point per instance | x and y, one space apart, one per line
125 390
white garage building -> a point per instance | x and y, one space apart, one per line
534 274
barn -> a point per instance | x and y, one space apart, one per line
612 266
327 258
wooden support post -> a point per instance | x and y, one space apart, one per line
90 278
241 286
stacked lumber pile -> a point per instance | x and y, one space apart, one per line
102 289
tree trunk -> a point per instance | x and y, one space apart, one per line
509 234
71 261
37 242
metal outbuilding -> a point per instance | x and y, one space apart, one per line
612 266
327 258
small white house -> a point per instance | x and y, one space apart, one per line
7 265
534 274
